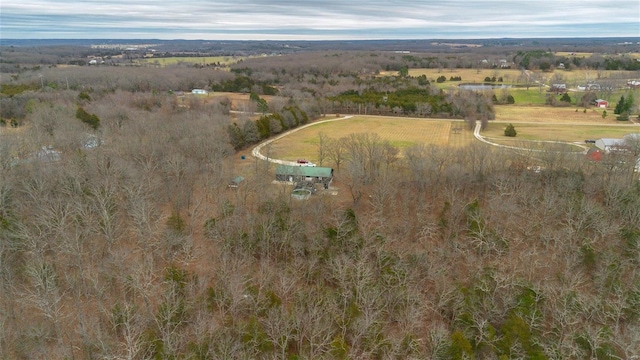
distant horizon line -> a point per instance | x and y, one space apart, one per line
319 40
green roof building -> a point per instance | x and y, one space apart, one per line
317 174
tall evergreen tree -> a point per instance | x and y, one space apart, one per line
628 104
620 106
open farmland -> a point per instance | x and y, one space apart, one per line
514 76
573 54
467 75
400 132
543 114
557 124
202 60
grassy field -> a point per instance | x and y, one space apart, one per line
573 54
552 132
467 75
553 114
510 76
533 123
203 60
588 54
400 132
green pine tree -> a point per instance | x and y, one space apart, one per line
510 131
620 106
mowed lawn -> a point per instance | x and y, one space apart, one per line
400 132
557 123
559 132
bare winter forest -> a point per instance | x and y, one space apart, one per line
119 238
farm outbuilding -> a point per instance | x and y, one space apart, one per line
608 145
235 182
199 91
594 154
633 84
558 88
601 103
317 174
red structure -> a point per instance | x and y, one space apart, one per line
602 103
594 154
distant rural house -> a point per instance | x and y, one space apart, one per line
235 182
558 88
199 91
96 61
91 142
608 145
317 174
601 103
47 154
633 84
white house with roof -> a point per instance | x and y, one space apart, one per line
628 142
608 144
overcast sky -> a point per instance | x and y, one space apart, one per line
316 20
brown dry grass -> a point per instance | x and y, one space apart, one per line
573 54
511 75
238 100
467 75
543 114
532 123
400 132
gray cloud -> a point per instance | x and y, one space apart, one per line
329 19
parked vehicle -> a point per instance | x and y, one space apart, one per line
305 162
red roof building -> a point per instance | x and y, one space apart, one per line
602 103
594 154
